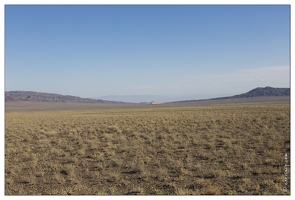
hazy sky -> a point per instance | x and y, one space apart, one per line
92 51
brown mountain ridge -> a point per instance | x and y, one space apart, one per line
30 96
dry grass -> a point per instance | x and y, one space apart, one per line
237 149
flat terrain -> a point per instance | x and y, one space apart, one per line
153 149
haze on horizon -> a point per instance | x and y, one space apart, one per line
174 51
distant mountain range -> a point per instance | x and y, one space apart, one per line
29 96
150 98
136 98
17 96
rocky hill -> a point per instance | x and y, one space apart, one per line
261 92
257 92
17 96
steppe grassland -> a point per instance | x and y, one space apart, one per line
229 149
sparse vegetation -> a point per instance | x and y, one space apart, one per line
228 149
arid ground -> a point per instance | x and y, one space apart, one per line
235 149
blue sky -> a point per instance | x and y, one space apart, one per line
93 51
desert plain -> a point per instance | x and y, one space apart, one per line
229 148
